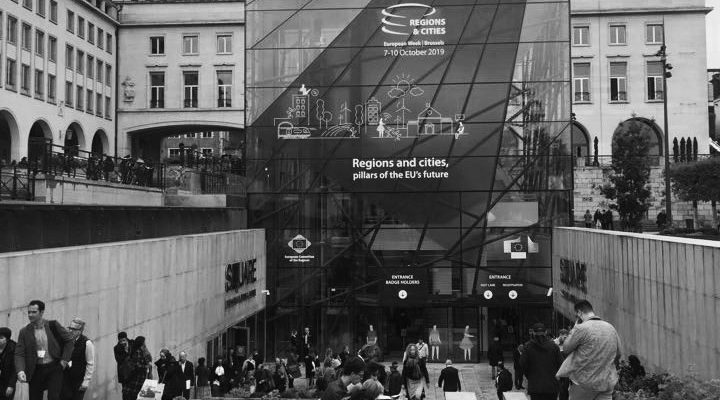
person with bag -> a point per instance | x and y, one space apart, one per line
293 369
413 374
172 375
43 350
7 364
139 368
503 380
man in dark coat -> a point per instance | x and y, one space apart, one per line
450 377
7 364
122 354
188 374
352 374
395 381
172 376
517 354
609 220
495 355
41 362
541 360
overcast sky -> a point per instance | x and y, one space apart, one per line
713 34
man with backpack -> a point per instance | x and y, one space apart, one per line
503 380
43 351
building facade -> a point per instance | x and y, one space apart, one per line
57 75
618 77
181 71
408 163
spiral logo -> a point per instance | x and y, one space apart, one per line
395 23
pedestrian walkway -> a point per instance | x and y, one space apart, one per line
474 378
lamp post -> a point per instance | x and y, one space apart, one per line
666 74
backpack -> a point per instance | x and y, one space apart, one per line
504 381
415 373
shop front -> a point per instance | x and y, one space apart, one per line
408 163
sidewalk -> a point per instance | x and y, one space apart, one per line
474 378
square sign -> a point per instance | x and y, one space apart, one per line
404 286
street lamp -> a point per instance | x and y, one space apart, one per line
666 74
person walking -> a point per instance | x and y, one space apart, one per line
395 381
609 220
122 354
503 380
202 390
139 368
188 372
351 376
423 356
495 355
661 220
172 375
449 379
7 364
597 218
588 219
564 381
76 378
594 350
517 365
413 374
43 350
540 362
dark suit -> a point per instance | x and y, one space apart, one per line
451 378
7 369
43 376
189 375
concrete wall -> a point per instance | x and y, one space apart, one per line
82 191
170 290
659 292
589 180
684 22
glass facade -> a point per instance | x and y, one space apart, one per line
408 162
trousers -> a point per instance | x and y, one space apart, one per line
579 393
46 377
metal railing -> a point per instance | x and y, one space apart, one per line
655 160
51 159
17 183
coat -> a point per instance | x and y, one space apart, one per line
451 378
495 353
173 379
8 378
60 346
189 374
540 361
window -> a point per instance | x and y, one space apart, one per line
41 7
81 27
108 75
655 89
79 98
1 25
157 45
224 79
107 107
190 44
11 74
654 34
100 38
617 34
224 44
207 135
91 33
25 79
69 56
51 88
68 94
206 151
190 89
99 71
80 62
190 135
157 90
27 4
70 21
53 11
581 82
618 81
108 43
52 49
39 43
174 153
26 37
89 101
581 35
90 67
11 29
98 104
39 84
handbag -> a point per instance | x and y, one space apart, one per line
22 391
294 370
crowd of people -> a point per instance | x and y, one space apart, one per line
601 219
49 357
